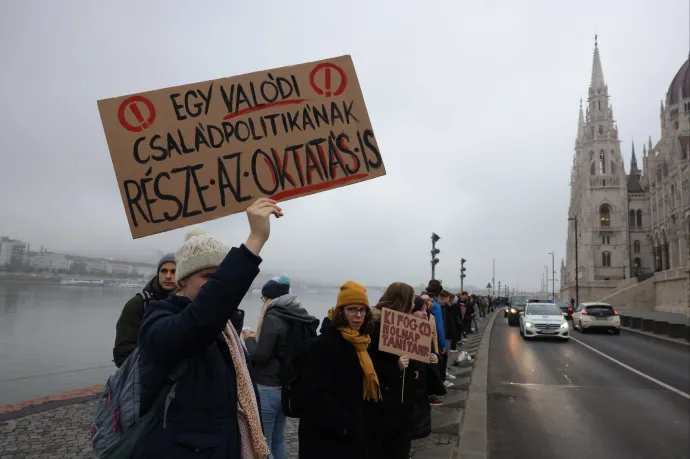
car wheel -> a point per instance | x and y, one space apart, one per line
579 327
617 331
521 332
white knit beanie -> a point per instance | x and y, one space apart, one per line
200 251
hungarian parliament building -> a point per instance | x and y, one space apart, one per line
632 246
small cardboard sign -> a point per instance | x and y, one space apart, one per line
193 153
405 334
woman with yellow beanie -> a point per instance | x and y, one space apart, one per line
390 435
338 381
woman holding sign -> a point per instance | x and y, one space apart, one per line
338 379
212 410
391 420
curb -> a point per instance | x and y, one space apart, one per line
473 435
666 339
46 406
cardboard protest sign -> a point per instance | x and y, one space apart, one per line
405 334
192 153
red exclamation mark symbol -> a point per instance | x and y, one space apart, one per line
328 82
137 114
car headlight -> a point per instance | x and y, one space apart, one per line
513 311
564 325
528 324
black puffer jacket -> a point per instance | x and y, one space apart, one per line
268 354
395 410
127 328
333 425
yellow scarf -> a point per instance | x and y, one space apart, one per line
371 389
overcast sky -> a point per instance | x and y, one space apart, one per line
474 105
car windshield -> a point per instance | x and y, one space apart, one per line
543 309
517 300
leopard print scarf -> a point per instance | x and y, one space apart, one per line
252 439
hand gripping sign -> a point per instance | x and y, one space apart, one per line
405 334
193 153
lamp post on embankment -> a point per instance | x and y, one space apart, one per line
434 251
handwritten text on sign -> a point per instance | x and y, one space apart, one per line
197 152
405 334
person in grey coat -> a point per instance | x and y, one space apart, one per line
269 350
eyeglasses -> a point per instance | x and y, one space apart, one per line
357 311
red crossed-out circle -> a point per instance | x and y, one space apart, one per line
131 103
327 91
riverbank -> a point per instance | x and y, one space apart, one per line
57 426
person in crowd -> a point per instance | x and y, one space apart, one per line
390 420
450 319
339 380
269 349
127 327
434 400
214 410
475 312
469 311
425 384
434 289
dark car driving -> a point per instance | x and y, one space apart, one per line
517 305
566 308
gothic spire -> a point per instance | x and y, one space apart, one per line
649 149
597 72
580 124
633 162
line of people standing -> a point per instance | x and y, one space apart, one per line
361 402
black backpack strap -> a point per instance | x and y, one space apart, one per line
170 387
146 296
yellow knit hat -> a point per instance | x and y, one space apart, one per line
352 293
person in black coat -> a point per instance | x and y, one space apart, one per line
338 381
425 382
127 327
390 433
215 398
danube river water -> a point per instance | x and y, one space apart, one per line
55 338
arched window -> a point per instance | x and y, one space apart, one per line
637 263
602 162
605 215
613 167
601 129
639 218
599 104
593 168
631 219
606 259
636 246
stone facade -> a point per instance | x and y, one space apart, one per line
634 225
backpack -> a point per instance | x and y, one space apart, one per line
300 339
118 422
147 297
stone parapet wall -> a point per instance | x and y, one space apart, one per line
672 291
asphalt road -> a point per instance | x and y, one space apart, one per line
556 400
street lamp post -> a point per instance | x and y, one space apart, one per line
546 281
553 278
577 266
434 251
462 274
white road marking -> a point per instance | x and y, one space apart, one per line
654 380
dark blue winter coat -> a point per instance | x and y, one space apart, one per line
202 419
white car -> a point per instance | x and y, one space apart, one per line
543 319
600 316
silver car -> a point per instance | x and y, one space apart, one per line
543 320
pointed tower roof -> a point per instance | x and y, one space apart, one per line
597 71
633 161
634 185
644 150
650 147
